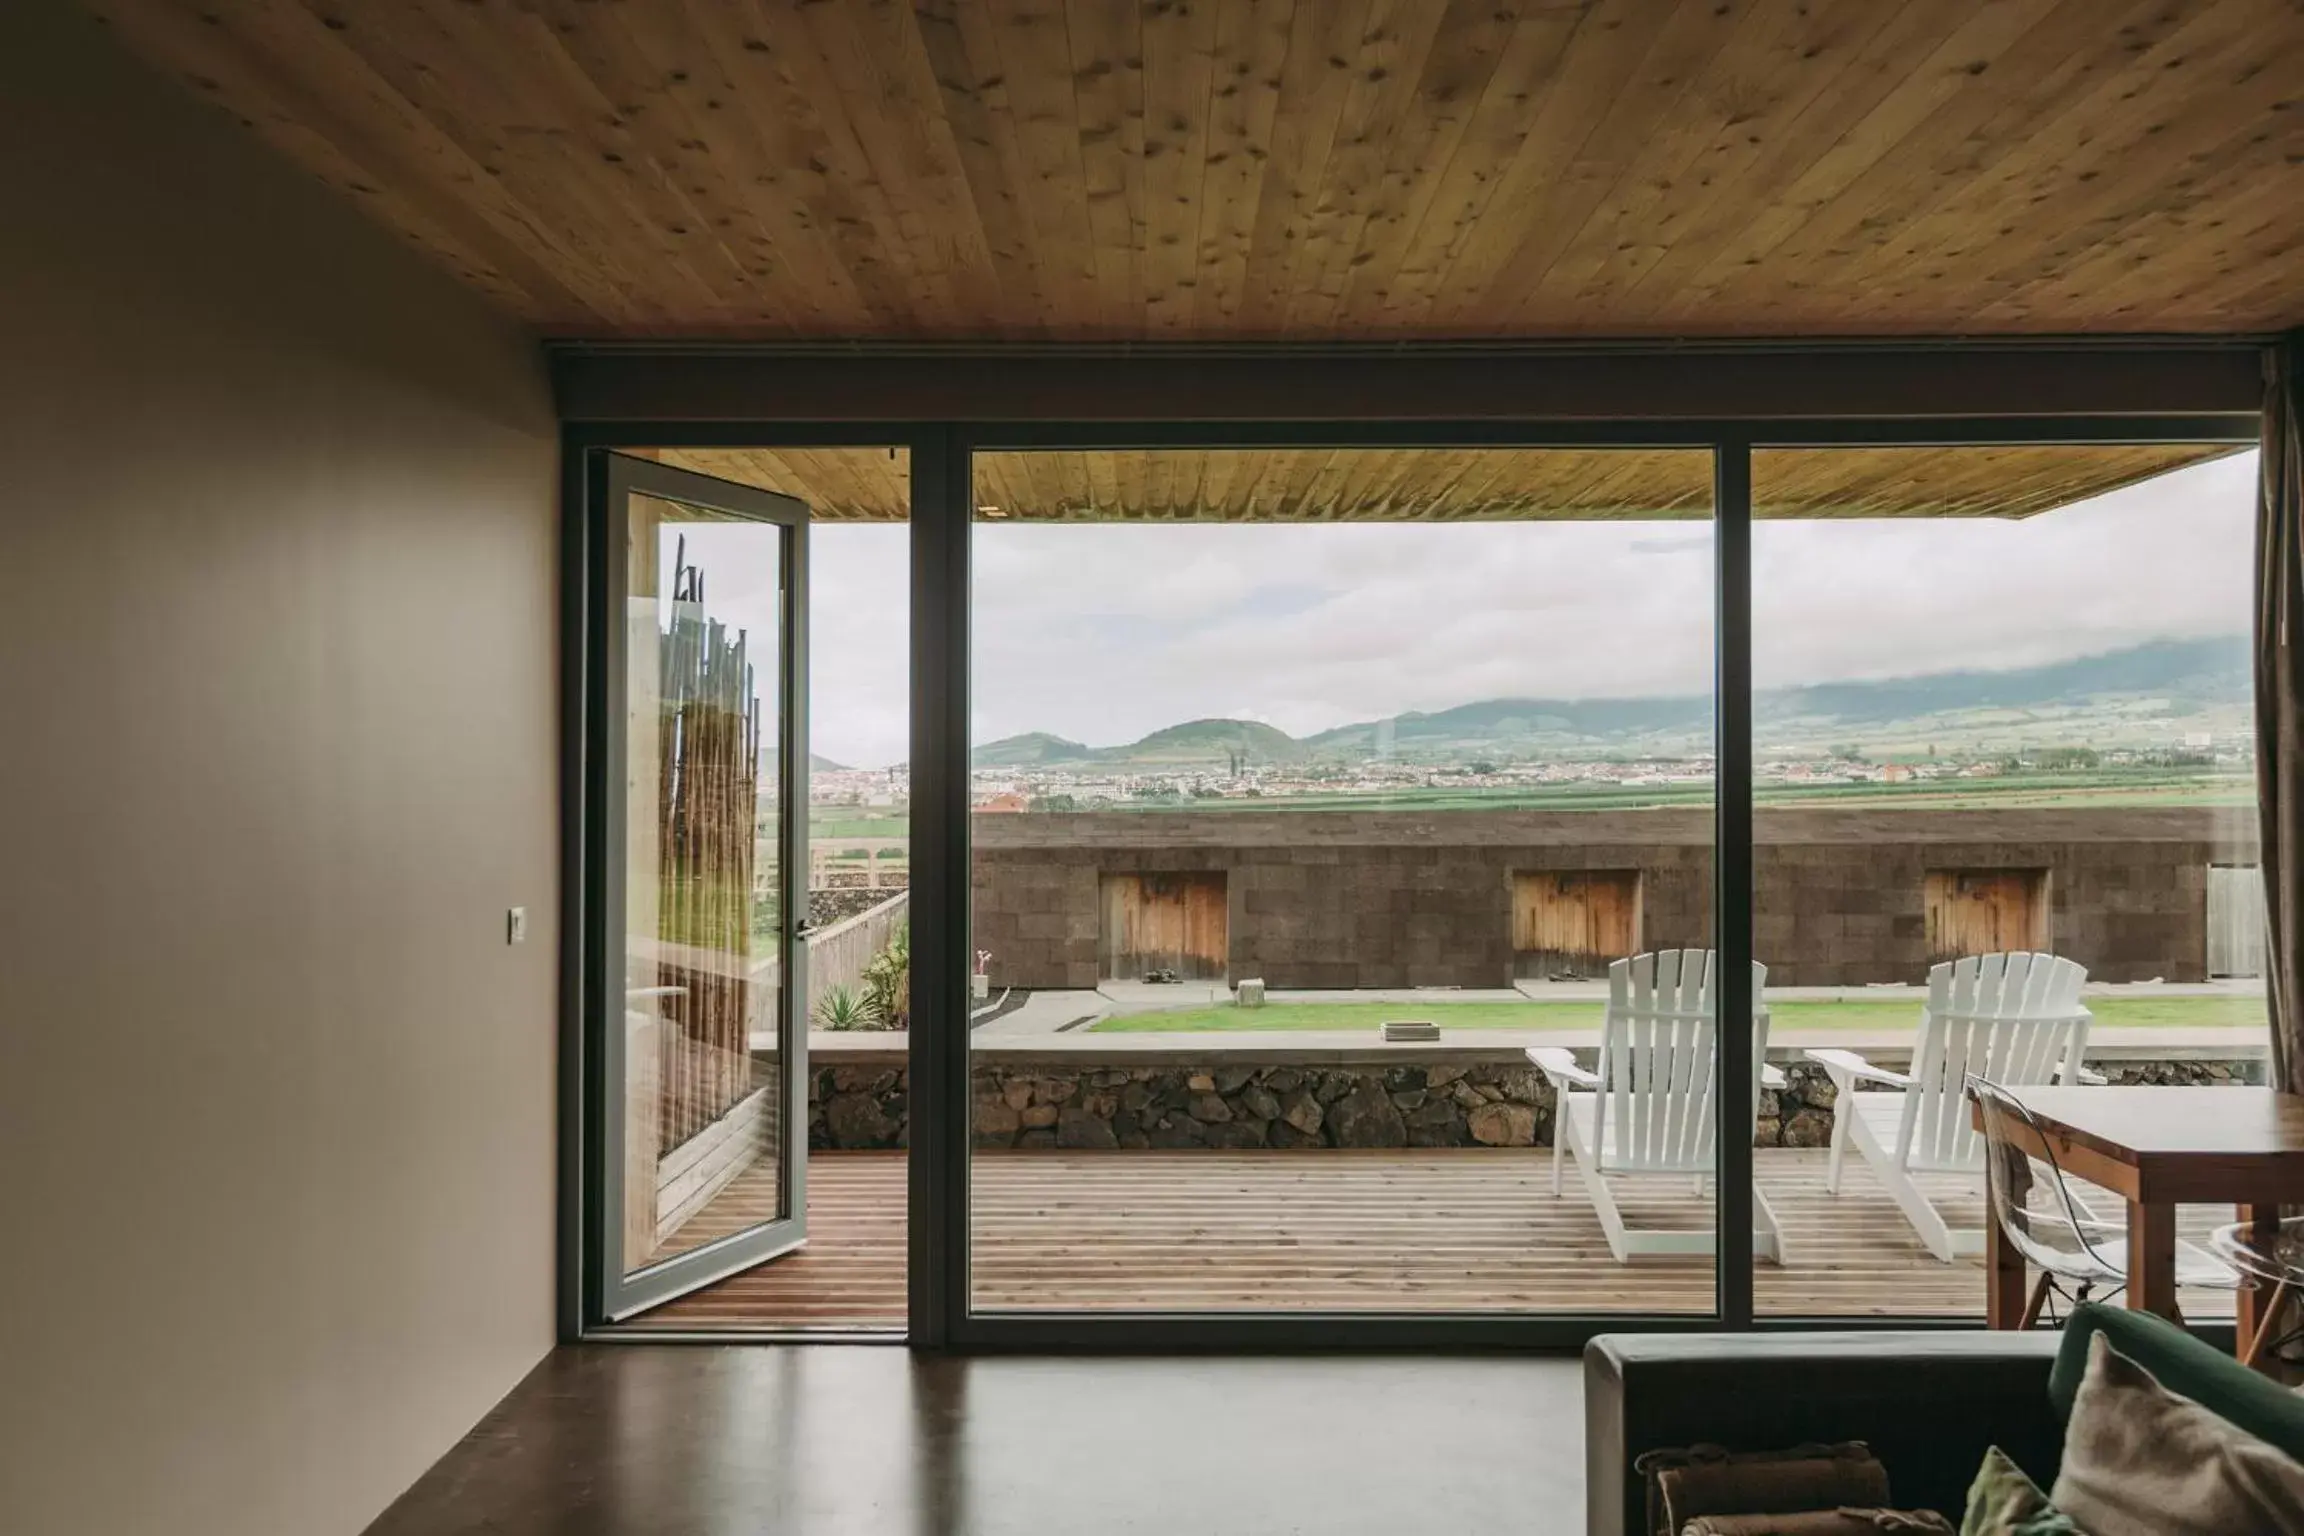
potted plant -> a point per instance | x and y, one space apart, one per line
980 982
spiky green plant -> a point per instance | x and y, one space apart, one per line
846 1008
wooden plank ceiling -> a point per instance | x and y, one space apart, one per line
1355 169
1451 484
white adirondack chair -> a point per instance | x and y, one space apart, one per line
1650 1108
2015 1019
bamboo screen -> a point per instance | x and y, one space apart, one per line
708 792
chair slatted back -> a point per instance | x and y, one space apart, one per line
2015 1019
1656 1110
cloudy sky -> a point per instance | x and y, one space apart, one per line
1104 632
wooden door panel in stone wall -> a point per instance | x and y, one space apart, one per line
1985 911
1573 922
2235 920
1164 922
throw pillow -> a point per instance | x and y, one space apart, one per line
2141 1461
2004 1502
1712 1480
1824 1522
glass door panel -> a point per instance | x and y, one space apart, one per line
2002 708
1312 790
704 1169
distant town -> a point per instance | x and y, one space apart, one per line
860 818
2167 722
1663 779
849 804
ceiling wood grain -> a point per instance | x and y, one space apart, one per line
1314 169
1450 484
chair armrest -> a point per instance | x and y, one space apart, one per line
2076 1070
1556 1063
1847 1068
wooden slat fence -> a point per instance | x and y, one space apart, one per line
837 956
871 862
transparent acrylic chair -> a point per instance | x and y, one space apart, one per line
2074 1248
2268 1255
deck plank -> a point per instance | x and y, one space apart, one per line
1442 1230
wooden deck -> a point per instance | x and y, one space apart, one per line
1330 1231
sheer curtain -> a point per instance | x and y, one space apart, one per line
2280 702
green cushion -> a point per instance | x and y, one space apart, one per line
2183 1365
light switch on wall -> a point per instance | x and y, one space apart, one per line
516 925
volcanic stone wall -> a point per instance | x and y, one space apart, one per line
1125 1100
1324 899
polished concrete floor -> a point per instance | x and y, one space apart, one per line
797 1440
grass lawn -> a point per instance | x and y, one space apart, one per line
1868 1014
2078 787
838 822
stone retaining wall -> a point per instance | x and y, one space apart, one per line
1463 1099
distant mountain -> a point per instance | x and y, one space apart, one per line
1024 751
2142 687
2195 671
818 763
1211 741
1486 725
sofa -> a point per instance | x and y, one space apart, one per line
1927 1403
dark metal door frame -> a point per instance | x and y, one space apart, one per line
610 1293
940 1314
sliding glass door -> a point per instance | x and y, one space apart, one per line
1233 746
1320 799
2004 760
702 1160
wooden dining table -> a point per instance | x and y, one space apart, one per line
2157 1148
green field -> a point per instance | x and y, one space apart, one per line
2095 787
2104 788
1866 1014
2101 787
830 821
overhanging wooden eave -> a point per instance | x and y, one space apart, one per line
1944 429
1693 382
